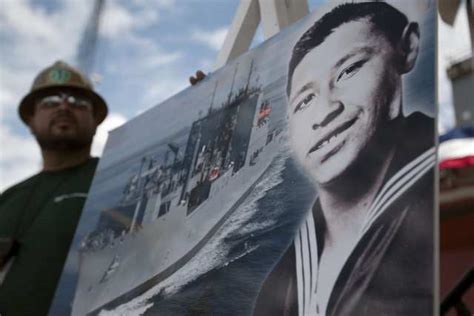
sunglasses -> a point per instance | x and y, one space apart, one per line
55 100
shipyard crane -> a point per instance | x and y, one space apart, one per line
86 50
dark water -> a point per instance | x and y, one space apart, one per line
231 287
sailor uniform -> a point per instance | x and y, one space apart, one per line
390 269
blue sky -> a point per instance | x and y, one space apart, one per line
146 51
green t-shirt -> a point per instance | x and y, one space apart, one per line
42 214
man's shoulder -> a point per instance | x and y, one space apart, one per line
26 184
11 200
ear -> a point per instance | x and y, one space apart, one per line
29 123
409 46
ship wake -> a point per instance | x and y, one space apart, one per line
217 252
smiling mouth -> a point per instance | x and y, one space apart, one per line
61 120
330 137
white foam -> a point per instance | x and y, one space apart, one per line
215 253
135 307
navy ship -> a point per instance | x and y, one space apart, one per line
173 205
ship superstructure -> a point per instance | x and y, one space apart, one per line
172 205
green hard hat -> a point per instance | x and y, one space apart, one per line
61 75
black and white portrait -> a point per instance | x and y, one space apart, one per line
366 244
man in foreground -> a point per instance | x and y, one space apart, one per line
38 216
366 246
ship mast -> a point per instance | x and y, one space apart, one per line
140 195
232 85
248 79
175 149
212 98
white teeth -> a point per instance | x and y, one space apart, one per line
327 141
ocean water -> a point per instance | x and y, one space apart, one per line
225 276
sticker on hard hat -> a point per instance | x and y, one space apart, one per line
59 75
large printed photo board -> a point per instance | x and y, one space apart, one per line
296 180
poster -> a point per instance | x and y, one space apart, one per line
296 180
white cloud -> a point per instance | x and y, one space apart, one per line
165 4
116 21
6 100
49 35
34 38
205 63
13 89
160 59
119 21
112 121
162 89
147 55
24 20
146 17
154 67
213 39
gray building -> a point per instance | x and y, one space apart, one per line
462 77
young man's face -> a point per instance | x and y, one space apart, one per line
343 93
63 120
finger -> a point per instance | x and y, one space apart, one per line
200 75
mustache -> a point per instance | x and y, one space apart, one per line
63 115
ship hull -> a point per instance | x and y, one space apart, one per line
152 254
139 290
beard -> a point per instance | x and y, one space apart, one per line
55 138
52 143
65 142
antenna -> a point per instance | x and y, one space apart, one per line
213 96
233 81
250 74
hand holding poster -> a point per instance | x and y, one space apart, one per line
297 180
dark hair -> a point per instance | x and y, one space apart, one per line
386 18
